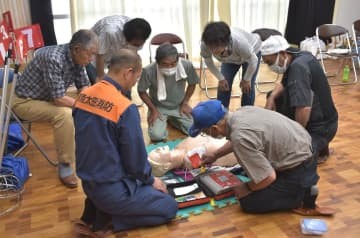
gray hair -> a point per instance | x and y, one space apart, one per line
125 58
164 51
84 38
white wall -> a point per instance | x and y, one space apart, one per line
346 12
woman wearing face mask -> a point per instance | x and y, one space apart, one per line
163 89
304 93
234 48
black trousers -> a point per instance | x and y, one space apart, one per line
322 137
291 189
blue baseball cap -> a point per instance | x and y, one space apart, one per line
206 114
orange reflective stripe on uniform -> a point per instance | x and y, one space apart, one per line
103 99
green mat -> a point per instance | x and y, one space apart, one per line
172 144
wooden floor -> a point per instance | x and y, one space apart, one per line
48 207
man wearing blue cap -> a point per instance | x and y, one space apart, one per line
275 152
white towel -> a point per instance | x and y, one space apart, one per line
180 74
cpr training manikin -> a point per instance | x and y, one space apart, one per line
162 159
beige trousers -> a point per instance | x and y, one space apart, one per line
59 117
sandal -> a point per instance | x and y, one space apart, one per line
317 211
83 230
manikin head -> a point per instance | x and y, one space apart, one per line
162 159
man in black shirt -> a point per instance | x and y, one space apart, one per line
304 94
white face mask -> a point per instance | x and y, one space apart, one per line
279 69
168 71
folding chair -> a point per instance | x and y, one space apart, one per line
264 34
170 38
203 79
22 123
356 37
339 37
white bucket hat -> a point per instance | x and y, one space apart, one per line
273 45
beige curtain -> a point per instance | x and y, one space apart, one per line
253 14
176 16
213 10
224 10
20 11
186 18
206 12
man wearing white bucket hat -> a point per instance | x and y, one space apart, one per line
304 93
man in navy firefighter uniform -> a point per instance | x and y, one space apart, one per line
111 158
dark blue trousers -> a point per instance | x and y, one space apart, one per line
288 191
130 204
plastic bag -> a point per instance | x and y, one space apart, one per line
18 166
15 138
311 44
313 226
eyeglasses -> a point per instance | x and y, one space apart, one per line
89 52
205 132
225 52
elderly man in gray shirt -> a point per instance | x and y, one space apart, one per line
274 151
170 82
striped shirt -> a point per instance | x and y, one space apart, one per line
50 74
110 32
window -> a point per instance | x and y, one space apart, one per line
62 22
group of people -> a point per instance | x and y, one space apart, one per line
99 127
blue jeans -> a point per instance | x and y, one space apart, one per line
229 71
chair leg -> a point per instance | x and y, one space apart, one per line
26 140
354 69
206 88
340 70
30 137
204 79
